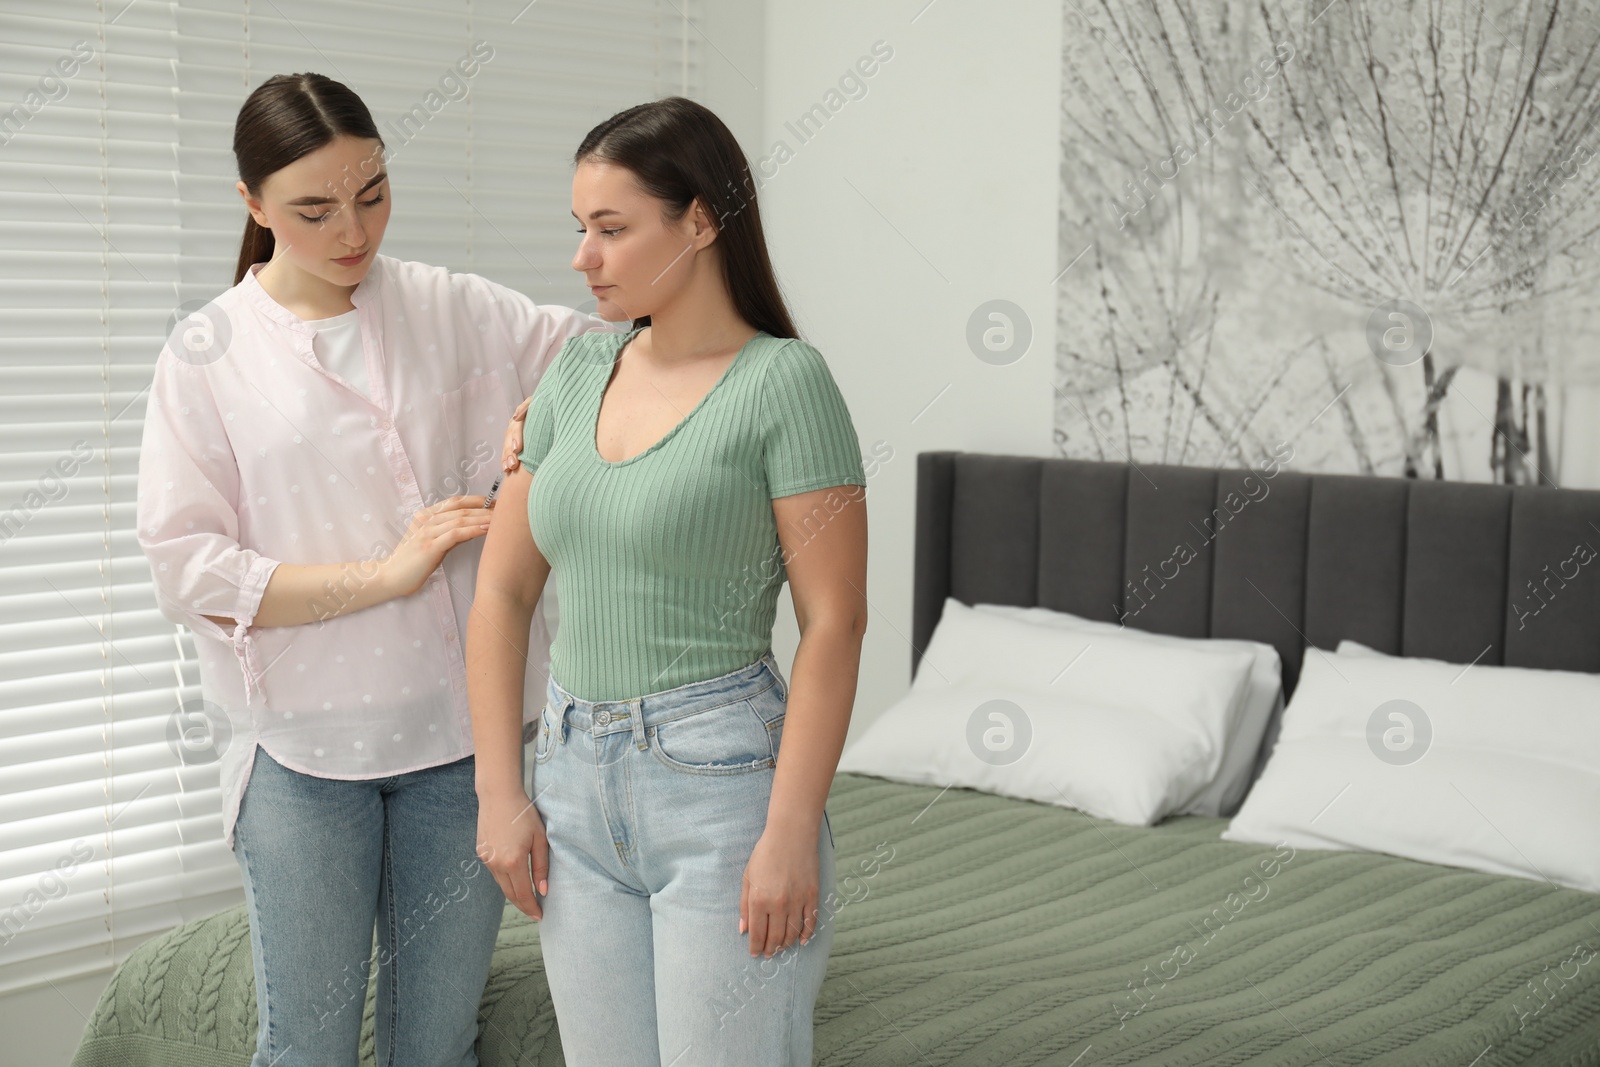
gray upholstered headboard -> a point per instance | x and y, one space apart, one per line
1447 570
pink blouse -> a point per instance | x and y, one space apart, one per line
254 454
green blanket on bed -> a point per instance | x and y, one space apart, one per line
979 930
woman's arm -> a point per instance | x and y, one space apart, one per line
304 593
823 535
824 538
511 578
187 521
301 593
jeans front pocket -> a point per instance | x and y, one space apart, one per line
772 705
731 738
544 745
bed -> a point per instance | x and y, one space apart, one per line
979 929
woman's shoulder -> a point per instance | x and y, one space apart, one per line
790 361
424 281
795 381
597 348
413 276
408 272
584 351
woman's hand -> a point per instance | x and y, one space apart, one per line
510 835
778 899
513 441
433 532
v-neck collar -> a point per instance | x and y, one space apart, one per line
605 383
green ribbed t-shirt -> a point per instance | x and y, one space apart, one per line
668 563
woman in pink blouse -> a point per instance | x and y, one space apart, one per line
315 451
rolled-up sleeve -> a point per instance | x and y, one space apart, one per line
187 513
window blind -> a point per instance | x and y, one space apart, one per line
117 208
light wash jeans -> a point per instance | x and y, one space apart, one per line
322 860
653 807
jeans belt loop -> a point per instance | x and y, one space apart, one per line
638 724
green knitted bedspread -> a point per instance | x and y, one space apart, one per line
978 930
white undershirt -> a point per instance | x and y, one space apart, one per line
337 345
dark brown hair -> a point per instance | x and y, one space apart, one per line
678 151
286 117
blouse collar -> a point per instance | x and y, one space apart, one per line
251 288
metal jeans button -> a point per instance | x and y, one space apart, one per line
602 717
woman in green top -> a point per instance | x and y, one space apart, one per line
685 470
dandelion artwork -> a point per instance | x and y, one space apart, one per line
1362 229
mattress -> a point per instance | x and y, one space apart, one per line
979 930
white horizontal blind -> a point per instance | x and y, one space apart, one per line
117 207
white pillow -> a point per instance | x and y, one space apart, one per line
1067 690
1348 647
1261 696
1127 766
1494 769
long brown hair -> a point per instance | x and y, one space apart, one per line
286 117
679 150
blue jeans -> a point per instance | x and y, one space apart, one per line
653 807
322 859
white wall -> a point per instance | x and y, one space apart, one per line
931 194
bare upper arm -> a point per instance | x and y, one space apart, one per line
512 564
823 534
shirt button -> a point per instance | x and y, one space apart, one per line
602 717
